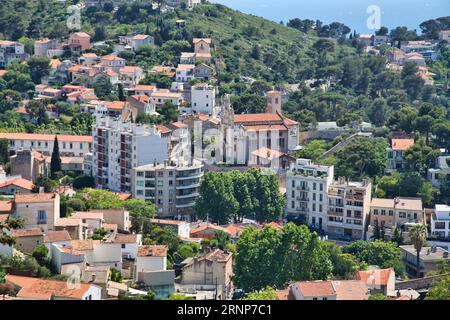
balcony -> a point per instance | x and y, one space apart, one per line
303 188
185 205
335 213
185 196
303 199
302 210
192 176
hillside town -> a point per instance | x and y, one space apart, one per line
151 164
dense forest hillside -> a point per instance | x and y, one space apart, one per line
252 54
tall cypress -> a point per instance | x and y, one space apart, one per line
55 163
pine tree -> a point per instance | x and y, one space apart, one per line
55 163
376 230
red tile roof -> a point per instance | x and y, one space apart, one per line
402 144
316 288
6 206
34 197
36 288
375 277
20 233
45 137
19 182
152 251
57 236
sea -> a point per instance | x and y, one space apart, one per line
363 16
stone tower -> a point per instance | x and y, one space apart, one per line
273 101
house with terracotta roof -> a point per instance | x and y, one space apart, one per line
43 289
135 42
330 290
69 145
16 185
74 227
11 51
94 220
112 62
129 244
142 89
400 212
161 96
65 259
79 41
396 153
379 281
207 231
130 76
120 217
185 72
142 103
150 258
38 210
211 271
255 131
27 239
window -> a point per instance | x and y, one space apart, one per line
321 187
292 204
383 212
402 214
41 217
314 186
123 245
314 197
375 212
391 213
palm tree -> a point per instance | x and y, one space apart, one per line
418 235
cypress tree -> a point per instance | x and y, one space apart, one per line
55 163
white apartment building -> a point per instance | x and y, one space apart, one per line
349 208
440 221
185 72
396 153
307 192
121 146
172 187
10 51
69 145
161 96
441 173
137 41
203 97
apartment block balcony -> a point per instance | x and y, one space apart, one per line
302 199
302 188
302 210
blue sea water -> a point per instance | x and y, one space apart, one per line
353 13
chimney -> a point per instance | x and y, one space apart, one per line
93 278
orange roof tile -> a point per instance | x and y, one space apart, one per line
19 233
125 238
2 73
19 182
152 251
36 288
44 137
34 197
57 236
402 144
316 288
6 206
130 69
375 277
